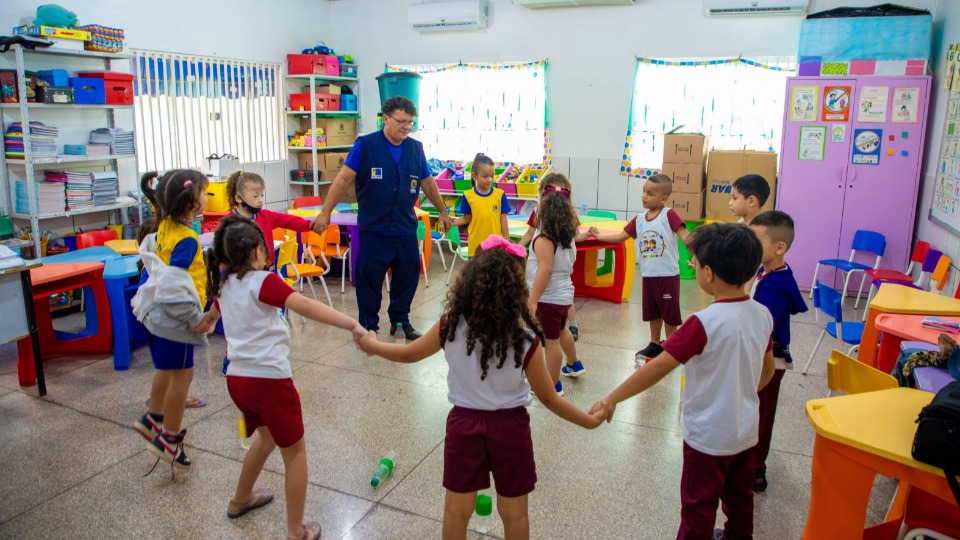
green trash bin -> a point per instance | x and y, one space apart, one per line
400 83
687 271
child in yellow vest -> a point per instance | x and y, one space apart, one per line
484 207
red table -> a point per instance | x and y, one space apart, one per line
895 328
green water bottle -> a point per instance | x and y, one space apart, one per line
384 470
483 514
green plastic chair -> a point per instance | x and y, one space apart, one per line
608 254
453 235
686 271
421 241
601 213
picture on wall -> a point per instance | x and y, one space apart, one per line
873 104
836 103
866 146
906 104
812 142
803 104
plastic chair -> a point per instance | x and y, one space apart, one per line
286 261
930 261
453 236
869 241
421 241
851 376
607 260
829 301
309 200
439 238
326 247
95 238
918 256
938 278
601 213
279 235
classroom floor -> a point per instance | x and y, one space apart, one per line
72 465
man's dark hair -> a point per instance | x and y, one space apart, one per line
753 185
731 250
399 103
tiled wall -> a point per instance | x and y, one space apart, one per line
597 183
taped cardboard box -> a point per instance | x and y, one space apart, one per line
724 167
686 177
684 145
688 205
338 131
329 163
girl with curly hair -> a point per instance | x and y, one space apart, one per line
489 347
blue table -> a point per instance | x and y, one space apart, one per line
99 254
122 278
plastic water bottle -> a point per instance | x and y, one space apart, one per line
583 209
398 335
483 514
246 440
197 221
384 470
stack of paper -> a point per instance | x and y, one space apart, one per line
50 197
13 141
97 150
117 140
106 188
74 149
43 140
9 259
943 325
79 191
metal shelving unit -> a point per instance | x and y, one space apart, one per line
313 81
23 109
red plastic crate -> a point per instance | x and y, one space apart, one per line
118 87
304 64
325 102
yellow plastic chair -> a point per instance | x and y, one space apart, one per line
850 376
286 261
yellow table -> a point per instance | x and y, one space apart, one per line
892 298
123 247
859 436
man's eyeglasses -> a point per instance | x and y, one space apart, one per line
561 190
403 123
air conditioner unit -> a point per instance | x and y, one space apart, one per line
456 15
739 8
536 4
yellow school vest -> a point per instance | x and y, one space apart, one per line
169 234
485 217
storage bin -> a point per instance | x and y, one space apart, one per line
217 197
462 185
54 77
533 174
331 64
301 102
348 102
301 175
118 87
9 87
509 188
527 190
54 94
445 184
88 91
303 64
348 70
333 102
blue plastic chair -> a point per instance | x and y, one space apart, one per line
829 301
869 241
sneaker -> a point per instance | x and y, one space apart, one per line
646 353
169 448
759 481
559 388
574 370
148 426
575 331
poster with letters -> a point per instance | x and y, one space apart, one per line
873 104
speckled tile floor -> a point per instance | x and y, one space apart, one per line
72 467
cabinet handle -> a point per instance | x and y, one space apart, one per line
853 177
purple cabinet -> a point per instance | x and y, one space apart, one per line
865 174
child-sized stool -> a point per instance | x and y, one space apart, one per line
613 287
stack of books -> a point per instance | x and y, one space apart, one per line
13 142
79 193
43 140
49 197
116 140
123 142
106 187
74 149
943 325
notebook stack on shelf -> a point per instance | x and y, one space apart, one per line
74 149
123 142
43 140
115 140
106 187
13 141
79 190
50 197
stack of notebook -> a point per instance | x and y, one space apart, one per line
79 190
106 188
116 140
43 140
49 197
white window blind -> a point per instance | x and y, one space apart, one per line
497 109
736 101
190 107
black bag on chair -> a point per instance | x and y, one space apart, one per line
937 441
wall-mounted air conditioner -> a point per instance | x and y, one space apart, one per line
455 15
739 8
536 4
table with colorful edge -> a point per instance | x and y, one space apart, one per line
122 279
16 303
892 298
123 247
91 254
858 436
96 338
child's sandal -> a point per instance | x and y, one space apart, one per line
260 497
311 531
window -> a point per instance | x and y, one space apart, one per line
189 107
497 109
737 102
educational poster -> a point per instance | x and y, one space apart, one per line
838 133
836 103
803 100
946 197
906 105
873 104
866 146
812 142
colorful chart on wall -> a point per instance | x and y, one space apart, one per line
945 204
838 133
873 104
836 103
812 142
803 104
866 146
906 105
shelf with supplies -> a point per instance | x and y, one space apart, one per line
89 182
323 119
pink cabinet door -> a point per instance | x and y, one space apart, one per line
812 191
882 197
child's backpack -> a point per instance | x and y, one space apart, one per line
937 441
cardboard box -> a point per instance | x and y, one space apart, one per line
52 32
325 89
687 177
725 166
338 131
329 163
679 147
688 205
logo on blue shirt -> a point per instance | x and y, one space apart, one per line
376 173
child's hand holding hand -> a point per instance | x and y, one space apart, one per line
365 341
206 325
359 333
593 231
604 408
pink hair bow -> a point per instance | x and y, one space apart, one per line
494 241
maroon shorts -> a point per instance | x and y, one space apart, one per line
483 442
553 319
661 299
269 402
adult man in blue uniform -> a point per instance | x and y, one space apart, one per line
389 170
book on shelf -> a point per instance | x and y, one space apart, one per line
943 325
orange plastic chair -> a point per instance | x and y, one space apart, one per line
325 247
288 268
280 235
95 238
308 200
938 278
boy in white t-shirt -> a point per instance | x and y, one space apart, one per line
726 353
657 232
